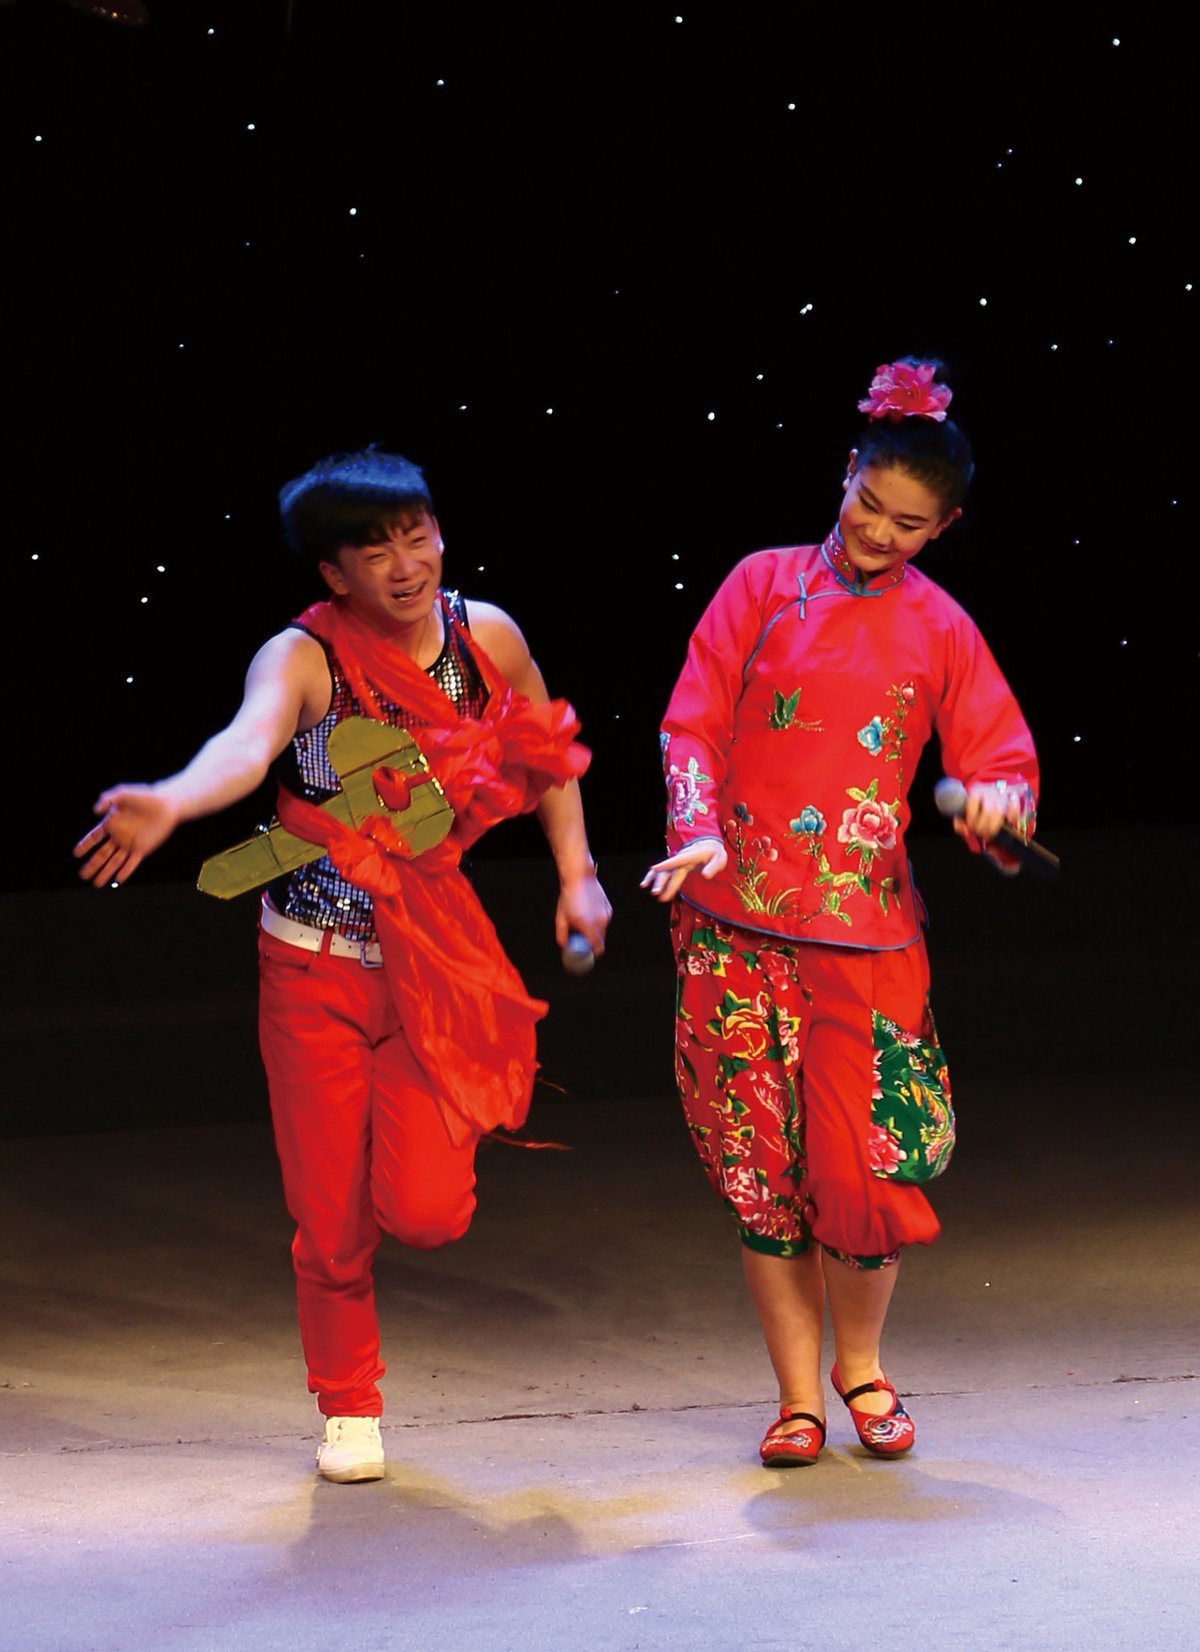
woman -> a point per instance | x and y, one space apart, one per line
807 1060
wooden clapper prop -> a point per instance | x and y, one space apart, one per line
357 747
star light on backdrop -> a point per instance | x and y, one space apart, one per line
288 269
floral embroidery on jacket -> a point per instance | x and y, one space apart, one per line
839 886
810 822
684 802
885 736
872 736
749 876
867 830
870 828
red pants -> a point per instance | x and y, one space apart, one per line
363 1151
775 1066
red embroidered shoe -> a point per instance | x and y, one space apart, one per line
887 1436
796 1450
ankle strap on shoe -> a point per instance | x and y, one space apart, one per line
787 1415
882 1386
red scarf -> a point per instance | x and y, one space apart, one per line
463 1006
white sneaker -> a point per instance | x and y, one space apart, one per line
351 1450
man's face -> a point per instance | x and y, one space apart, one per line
391 585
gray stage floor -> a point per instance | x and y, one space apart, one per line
576 1390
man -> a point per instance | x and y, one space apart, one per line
394 1031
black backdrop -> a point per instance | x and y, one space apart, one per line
244 234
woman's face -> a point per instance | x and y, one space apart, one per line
887 516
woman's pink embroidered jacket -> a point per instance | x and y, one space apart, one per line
795 728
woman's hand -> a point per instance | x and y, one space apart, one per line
987 809
665 879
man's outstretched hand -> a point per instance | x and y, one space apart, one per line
134 821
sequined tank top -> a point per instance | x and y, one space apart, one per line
317 894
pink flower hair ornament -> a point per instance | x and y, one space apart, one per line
906 391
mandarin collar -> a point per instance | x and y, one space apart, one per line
849 577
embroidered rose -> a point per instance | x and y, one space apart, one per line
682 795
810 822
683 792
872 736
884 1151
869 823
761 848
908 692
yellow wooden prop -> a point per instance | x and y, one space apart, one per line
357 747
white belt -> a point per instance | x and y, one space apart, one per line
368 953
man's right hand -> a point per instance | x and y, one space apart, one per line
287 688
134 821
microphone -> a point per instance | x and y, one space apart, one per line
577 955
950 795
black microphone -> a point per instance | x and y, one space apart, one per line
950 795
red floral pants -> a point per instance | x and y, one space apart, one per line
775 1063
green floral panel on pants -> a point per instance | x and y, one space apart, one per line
912 1120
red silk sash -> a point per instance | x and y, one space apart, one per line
463 1005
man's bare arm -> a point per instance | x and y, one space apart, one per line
583 906
284 687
